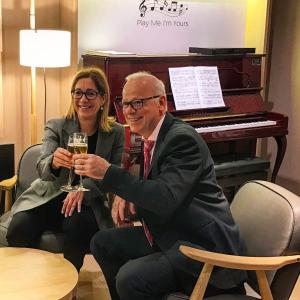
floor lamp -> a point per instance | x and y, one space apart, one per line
45 49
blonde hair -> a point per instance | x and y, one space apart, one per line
101 83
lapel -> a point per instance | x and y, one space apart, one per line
104 144
168 121
70 126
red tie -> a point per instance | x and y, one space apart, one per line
148 145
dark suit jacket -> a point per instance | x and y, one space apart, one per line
47 186
181 201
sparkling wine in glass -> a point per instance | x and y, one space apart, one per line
81 147
69 187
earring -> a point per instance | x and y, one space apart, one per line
101 108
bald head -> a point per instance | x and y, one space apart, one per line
147 80
149 92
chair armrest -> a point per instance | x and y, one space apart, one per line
7 186
259 264
239 262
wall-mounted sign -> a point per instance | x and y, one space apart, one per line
160 26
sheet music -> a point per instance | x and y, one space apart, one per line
196 87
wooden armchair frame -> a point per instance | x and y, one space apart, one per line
257 264
7 185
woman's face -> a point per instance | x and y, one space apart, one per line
86 107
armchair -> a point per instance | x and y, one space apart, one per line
269 220
49 241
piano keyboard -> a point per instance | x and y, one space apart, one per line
235 126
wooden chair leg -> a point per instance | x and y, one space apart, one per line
8 201
264 287
200 287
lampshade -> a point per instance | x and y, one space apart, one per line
45 48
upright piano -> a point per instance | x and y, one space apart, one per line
231 132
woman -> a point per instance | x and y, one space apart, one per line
44 205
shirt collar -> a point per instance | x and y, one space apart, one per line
153 136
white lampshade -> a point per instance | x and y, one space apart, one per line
45 48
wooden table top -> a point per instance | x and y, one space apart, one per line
35 274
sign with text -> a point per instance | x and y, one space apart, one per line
160 26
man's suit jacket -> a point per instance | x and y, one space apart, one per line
181 202
47 186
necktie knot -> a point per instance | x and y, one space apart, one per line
148 146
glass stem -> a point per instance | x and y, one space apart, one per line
81 185
70 177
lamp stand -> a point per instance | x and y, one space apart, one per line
45 99
33 106
33 82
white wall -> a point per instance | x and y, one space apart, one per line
118 25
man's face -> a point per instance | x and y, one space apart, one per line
143 120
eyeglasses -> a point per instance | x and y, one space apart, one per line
137 103
90 94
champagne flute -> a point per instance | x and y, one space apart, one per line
69 187
80 147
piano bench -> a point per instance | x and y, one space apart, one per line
231 174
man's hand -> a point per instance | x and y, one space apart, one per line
121 209
73 200
90 165
62 158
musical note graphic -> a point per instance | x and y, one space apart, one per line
168 8
165 5
173 6
143 8
154 4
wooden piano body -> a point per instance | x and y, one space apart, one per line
240 78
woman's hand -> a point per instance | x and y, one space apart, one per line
73 200
62 158
90 165
121 209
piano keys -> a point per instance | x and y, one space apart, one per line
232 130
234 126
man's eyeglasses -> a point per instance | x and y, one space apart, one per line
90 94
137 103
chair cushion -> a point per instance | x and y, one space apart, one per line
3 242
177 296
253 202
27 171
51 241
4 221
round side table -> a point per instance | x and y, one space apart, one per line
35 274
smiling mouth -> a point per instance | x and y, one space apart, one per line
134 120
84 107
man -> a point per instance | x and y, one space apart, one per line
178 201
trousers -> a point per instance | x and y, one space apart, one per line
26 227
134 270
